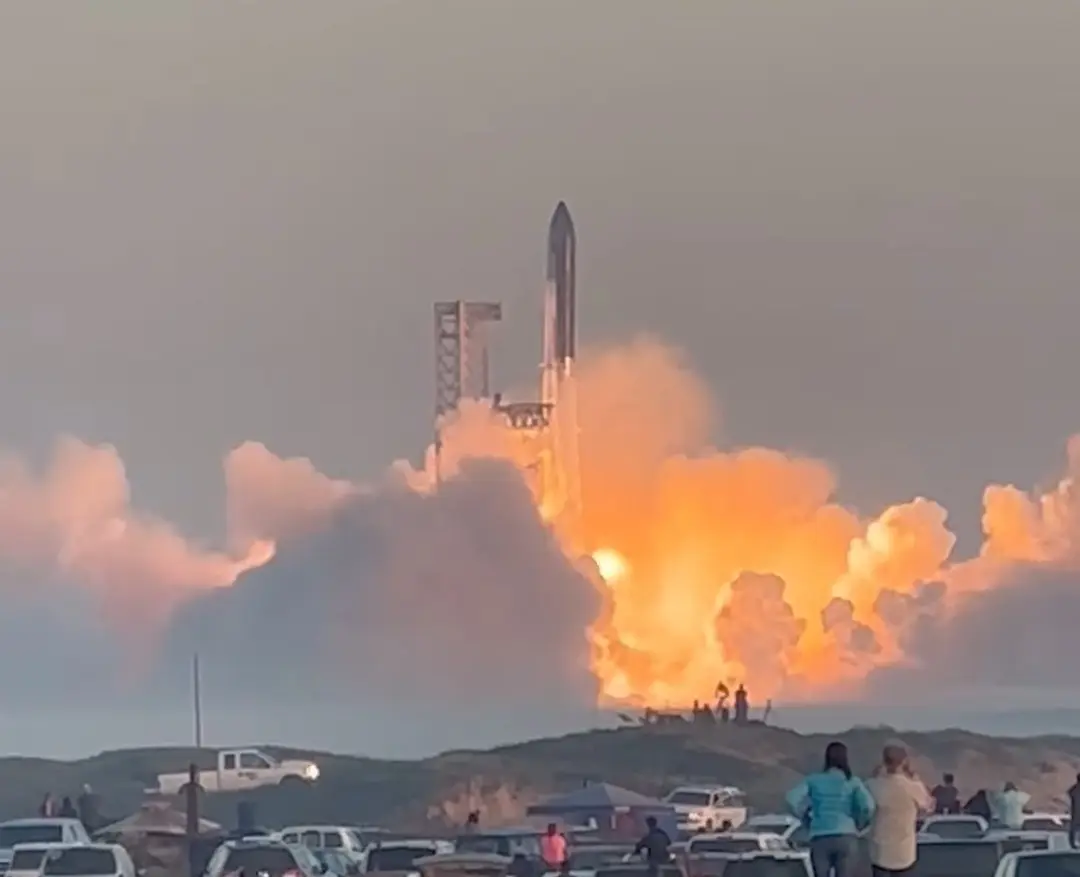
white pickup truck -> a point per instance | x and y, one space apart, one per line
240 769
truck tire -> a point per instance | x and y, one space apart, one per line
292 782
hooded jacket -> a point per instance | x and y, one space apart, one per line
833 804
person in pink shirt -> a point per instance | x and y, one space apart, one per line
553 848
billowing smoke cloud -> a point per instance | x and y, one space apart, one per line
717 566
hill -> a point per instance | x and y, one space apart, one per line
438 792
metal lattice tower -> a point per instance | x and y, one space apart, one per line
462 370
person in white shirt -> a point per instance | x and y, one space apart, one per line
900 796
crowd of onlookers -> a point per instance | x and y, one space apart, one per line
85 808
838 807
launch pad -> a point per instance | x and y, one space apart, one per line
462 371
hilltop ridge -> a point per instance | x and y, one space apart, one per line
501 782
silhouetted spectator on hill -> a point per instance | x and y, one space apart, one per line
67 809
946 797
47 808
1074 812
89 809
979 805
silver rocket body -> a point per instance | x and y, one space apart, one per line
561 491
560 304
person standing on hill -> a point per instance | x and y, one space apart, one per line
899 797
1074 812
837 807
946 797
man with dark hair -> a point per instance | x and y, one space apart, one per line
655 844
946 797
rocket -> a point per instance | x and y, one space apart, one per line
560 319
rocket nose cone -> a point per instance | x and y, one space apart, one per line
561 223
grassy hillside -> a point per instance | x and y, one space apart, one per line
439 791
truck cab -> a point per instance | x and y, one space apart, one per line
707 807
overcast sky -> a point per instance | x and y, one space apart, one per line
229 221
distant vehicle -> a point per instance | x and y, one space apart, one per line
42 830
72 860
789 828
734 843
241 769
1045 822
1039 863
701 806
325 837
954 826
1015 841
263 859
502 842
401 855
956 857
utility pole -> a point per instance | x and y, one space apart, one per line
196 690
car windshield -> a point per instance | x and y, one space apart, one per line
1015 844
1053 865
689 799
31 833
79 860
958 828
27 860
1041 823
978 859
724 845
765 866
767 828
252 861
396 858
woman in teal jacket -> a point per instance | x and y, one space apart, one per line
836 806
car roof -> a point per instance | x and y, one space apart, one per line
953 817
936 839
318 828
1032 854
762 818
253 841
409 842
39 820
736 835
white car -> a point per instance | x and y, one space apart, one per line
71 860
955 826
733 843
775 863
788 827
1039 863
400 855
698 807
324 837
1045 822
1015 841
272 858
42 830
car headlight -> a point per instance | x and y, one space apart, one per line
311 772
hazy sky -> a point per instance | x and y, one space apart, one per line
228 221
